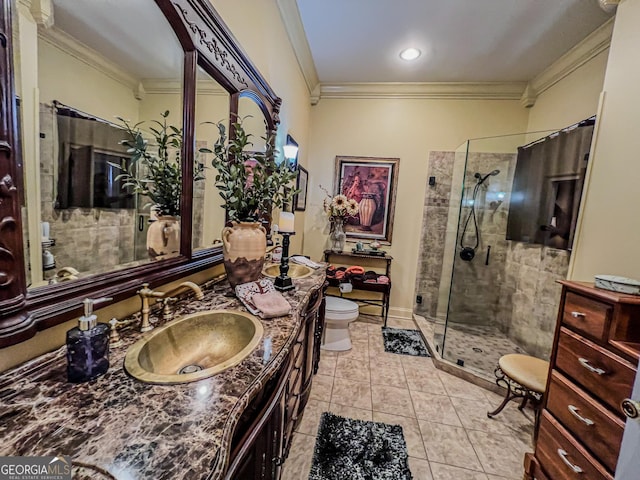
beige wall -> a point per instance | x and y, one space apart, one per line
572 99
74 83
609 232
403 128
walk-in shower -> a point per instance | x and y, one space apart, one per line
484 295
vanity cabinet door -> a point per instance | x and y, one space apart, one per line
259 454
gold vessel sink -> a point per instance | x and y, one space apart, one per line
295 270
193 347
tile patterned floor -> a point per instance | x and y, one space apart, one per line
448 434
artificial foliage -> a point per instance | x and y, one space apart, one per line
250 183
155 170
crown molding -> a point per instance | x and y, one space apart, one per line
595 43
71 46
428 90
168 86
41 11
293 25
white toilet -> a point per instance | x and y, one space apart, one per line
339 313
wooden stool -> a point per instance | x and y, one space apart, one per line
524 377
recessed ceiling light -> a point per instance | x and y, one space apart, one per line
410 53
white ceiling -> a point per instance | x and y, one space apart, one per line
460 40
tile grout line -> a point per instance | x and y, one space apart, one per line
424 446
369 361
466 433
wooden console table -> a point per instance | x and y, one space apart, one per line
365 261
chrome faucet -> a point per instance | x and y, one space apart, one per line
167 297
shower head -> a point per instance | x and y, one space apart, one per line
482 179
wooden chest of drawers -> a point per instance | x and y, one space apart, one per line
593 365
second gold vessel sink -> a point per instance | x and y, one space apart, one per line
193 347
295 270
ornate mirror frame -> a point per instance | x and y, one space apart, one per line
207 42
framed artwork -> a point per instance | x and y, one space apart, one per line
371 182
300 199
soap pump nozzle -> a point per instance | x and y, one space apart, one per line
89 320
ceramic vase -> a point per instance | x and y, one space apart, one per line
244 246
163 237
337 235
367 207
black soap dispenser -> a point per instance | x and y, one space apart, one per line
88 346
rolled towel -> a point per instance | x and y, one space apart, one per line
305 261
271 304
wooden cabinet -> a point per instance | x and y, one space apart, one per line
305 359
258 453
592 369
263 435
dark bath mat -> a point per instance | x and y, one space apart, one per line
348 449
404 342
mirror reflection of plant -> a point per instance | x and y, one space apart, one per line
162 178
250 183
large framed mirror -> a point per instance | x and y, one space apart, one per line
78 101
78 80
212 108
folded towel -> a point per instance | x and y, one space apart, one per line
305 261
246 290
271 304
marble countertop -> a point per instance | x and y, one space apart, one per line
133 430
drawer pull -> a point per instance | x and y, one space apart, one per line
574 410
578 314
563 455
585 363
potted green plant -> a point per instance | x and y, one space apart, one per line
155 172
250 184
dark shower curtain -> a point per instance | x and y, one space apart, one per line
80 139
547 188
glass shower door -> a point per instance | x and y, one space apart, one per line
476 326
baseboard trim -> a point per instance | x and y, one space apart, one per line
401 313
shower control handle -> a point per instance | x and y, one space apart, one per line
574 411
585 363
578 315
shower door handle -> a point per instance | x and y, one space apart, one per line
486 261
140 223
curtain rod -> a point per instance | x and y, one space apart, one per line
583 123
80 114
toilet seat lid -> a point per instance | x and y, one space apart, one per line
341 305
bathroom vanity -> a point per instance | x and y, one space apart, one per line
234 425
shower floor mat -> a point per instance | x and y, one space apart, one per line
404 342
359 450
